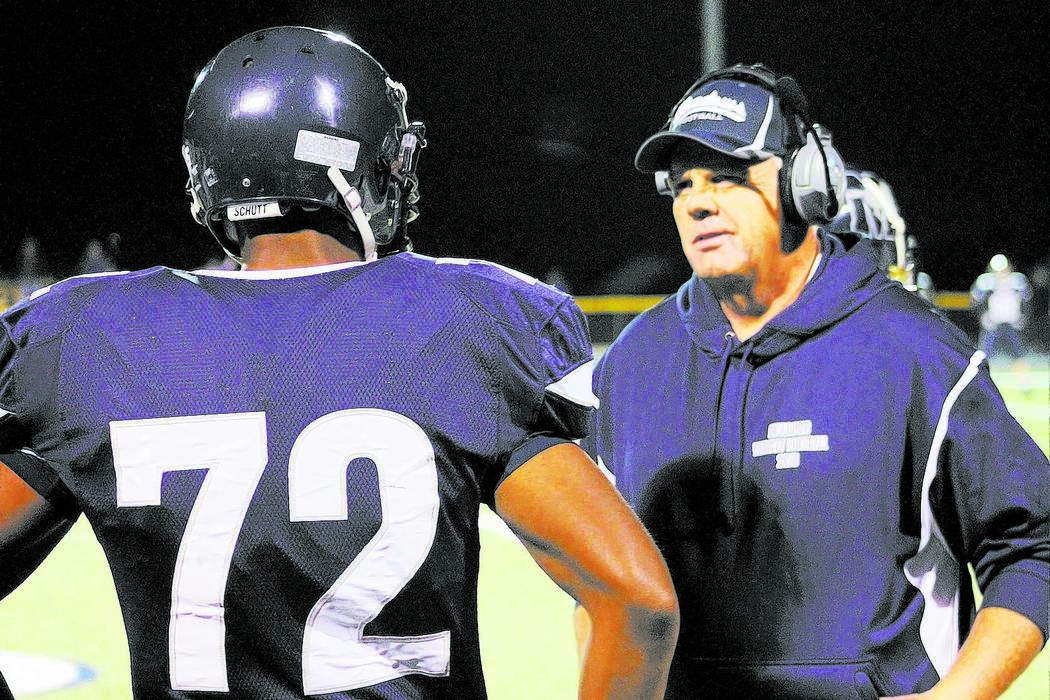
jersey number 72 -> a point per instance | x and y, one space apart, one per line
233 449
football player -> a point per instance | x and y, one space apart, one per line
284 463
870 211
1001 297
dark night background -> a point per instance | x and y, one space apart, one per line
534 111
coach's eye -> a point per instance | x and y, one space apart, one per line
728 178
680 185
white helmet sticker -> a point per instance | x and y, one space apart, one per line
326 150
253 210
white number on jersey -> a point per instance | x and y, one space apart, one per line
233 450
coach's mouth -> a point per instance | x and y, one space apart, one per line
709 238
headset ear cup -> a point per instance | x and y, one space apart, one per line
787 200
837 173
663 182
808 184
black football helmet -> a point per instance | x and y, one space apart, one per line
297 117
870 211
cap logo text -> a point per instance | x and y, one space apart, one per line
710 106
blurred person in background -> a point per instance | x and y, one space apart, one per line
1001 297
31 274
95 260
818 452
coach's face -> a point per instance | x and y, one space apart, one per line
728 213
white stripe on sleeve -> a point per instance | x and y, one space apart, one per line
933 569
576 386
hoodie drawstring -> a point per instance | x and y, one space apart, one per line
727 474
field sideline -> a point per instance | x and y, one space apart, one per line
64 628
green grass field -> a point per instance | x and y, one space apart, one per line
67 611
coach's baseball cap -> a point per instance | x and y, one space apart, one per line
737 118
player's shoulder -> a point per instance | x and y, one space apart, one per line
985 282
82 286
505 294
1019 281
54 308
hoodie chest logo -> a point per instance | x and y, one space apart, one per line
788 440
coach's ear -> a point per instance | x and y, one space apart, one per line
30 527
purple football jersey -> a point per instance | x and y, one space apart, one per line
285 468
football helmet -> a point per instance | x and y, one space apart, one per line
870 211
1000 263
297 117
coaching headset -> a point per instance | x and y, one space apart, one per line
812 177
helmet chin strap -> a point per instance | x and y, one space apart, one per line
352 199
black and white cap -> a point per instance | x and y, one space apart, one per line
734 117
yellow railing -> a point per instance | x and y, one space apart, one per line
628 304
9 295
637 303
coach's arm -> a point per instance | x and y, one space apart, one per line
1000 646
990 495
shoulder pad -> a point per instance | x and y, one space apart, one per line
503 292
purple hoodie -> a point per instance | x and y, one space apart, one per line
819 489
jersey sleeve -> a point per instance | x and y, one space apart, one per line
568 401
550 400
28 368
541 361
5 692
13 433
989 485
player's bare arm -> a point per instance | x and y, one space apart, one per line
29 529
592 545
